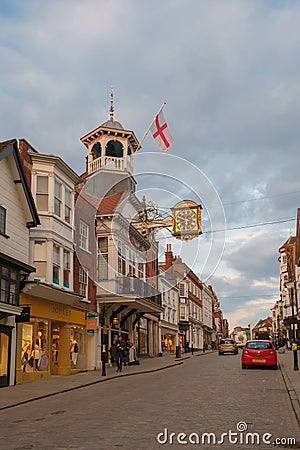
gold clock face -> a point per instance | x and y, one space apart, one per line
186 220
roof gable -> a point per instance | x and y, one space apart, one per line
10 147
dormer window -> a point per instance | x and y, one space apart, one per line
114 148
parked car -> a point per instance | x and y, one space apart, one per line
259 353
227 346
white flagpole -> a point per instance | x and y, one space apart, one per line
143 138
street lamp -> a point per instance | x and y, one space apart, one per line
290 286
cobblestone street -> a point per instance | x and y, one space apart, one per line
208 394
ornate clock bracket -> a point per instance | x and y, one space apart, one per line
185 220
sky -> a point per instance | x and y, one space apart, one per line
229 74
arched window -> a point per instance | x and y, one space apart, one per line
96 150
114 148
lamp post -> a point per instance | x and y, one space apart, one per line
290 285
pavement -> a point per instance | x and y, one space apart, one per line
291 378
27 392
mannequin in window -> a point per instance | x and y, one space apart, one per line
74 351
36 353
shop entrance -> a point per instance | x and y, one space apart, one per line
5 334
55 333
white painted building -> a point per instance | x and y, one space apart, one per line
17 215
168 325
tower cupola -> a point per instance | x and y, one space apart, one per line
110 146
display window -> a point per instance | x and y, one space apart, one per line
143 335
35 351
77 347
168 343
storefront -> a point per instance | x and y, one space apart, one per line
169 339
53 342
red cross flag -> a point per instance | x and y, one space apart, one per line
161 133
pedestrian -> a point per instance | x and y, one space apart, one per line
113 352
192 349
120 353
104 359
126 352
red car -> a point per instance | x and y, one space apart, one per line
259 353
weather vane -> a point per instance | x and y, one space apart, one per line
111 112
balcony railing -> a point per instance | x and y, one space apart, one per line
130 287
110 162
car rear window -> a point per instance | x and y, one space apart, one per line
226 341
259 345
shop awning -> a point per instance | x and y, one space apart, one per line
166 330
51 293
141 305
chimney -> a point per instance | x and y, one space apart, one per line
168 257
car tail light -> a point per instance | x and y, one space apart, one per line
234 345
219 345
272 352
246 351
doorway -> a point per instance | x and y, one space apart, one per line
55 333
5 339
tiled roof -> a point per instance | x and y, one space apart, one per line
108 204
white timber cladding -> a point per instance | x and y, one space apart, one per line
170 301
207 307
17 246
51 243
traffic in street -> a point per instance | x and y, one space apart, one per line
205 402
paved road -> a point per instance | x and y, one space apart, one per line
208 394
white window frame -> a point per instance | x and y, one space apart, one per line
84 235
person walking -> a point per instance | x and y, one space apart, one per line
104 359
120 353
126 352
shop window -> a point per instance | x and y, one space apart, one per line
42 193
56 263
68 205
103 258
143 336
84 235
2 220
40 260
57 198
66 269
35 348
77 347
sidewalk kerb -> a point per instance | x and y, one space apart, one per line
291 391
100 380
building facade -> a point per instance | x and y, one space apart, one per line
17 216
57 322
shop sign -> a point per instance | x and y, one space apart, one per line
91 315
24 316
91 324
90 331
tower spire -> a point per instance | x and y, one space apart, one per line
111 112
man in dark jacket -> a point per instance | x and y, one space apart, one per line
120 352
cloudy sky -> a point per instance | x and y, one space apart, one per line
229 72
